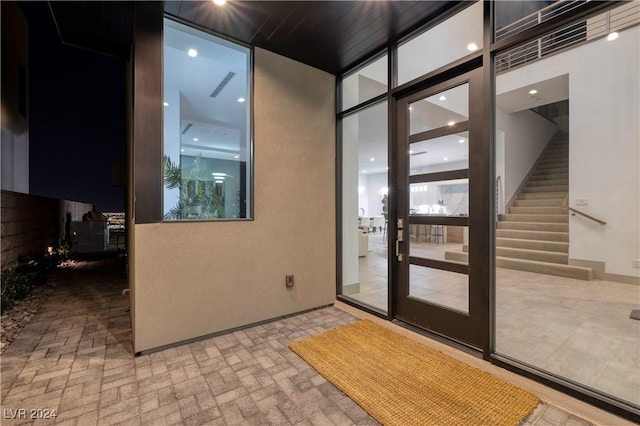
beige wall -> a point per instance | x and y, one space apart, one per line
193 279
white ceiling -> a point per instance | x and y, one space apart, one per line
548 92
218 125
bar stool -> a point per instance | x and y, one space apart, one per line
416 230
437 234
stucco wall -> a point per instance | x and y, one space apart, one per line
194 279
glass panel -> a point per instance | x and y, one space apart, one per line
364 208
427 52
607 24
442 109
567 133
514 16
441 154
366 83
442 198
207 137
439 242
444 288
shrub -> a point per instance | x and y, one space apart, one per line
28 272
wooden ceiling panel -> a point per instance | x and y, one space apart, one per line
329 35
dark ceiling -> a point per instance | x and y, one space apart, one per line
329 35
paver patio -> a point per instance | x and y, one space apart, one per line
75 360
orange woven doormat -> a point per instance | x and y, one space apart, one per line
401 382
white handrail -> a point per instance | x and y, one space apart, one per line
559 6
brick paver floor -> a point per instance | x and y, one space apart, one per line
75 360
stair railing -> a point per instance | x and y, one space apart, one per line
537 17
573 211
626 15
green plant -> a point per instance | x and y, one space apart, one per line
19 279
200 197
28 272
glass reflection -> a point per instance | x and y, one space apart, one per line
444 288
440 110
365 83
441 154
427 51
442 198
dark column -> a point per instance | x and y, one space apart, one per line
147 112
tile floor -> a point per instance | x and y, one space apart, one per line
75 359
576 329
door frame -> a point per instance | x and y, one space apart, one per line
472 329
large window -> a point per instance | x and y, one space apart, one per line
568 195
364 206
207 126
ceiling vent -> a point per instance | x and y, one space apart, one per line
222 84
186 128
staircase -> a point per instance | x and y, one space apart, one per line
534 235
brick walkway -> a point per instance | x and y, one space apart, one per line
75 359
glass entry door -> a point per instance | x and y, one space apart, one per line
437 196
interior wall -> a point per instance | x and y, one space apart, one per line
526 134
375 184
604 144
194 279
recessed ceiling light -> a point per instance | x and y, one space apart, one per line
241 99
461 141
442 98
192 52
165 103
364 171
236 156
387 167
182 150
373 159
533 91
410 152
446 158
451 123
612 36
220 2
196 139
410 108
472 47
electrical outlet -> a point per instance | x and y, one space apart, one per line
289 281
636 263
583 202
